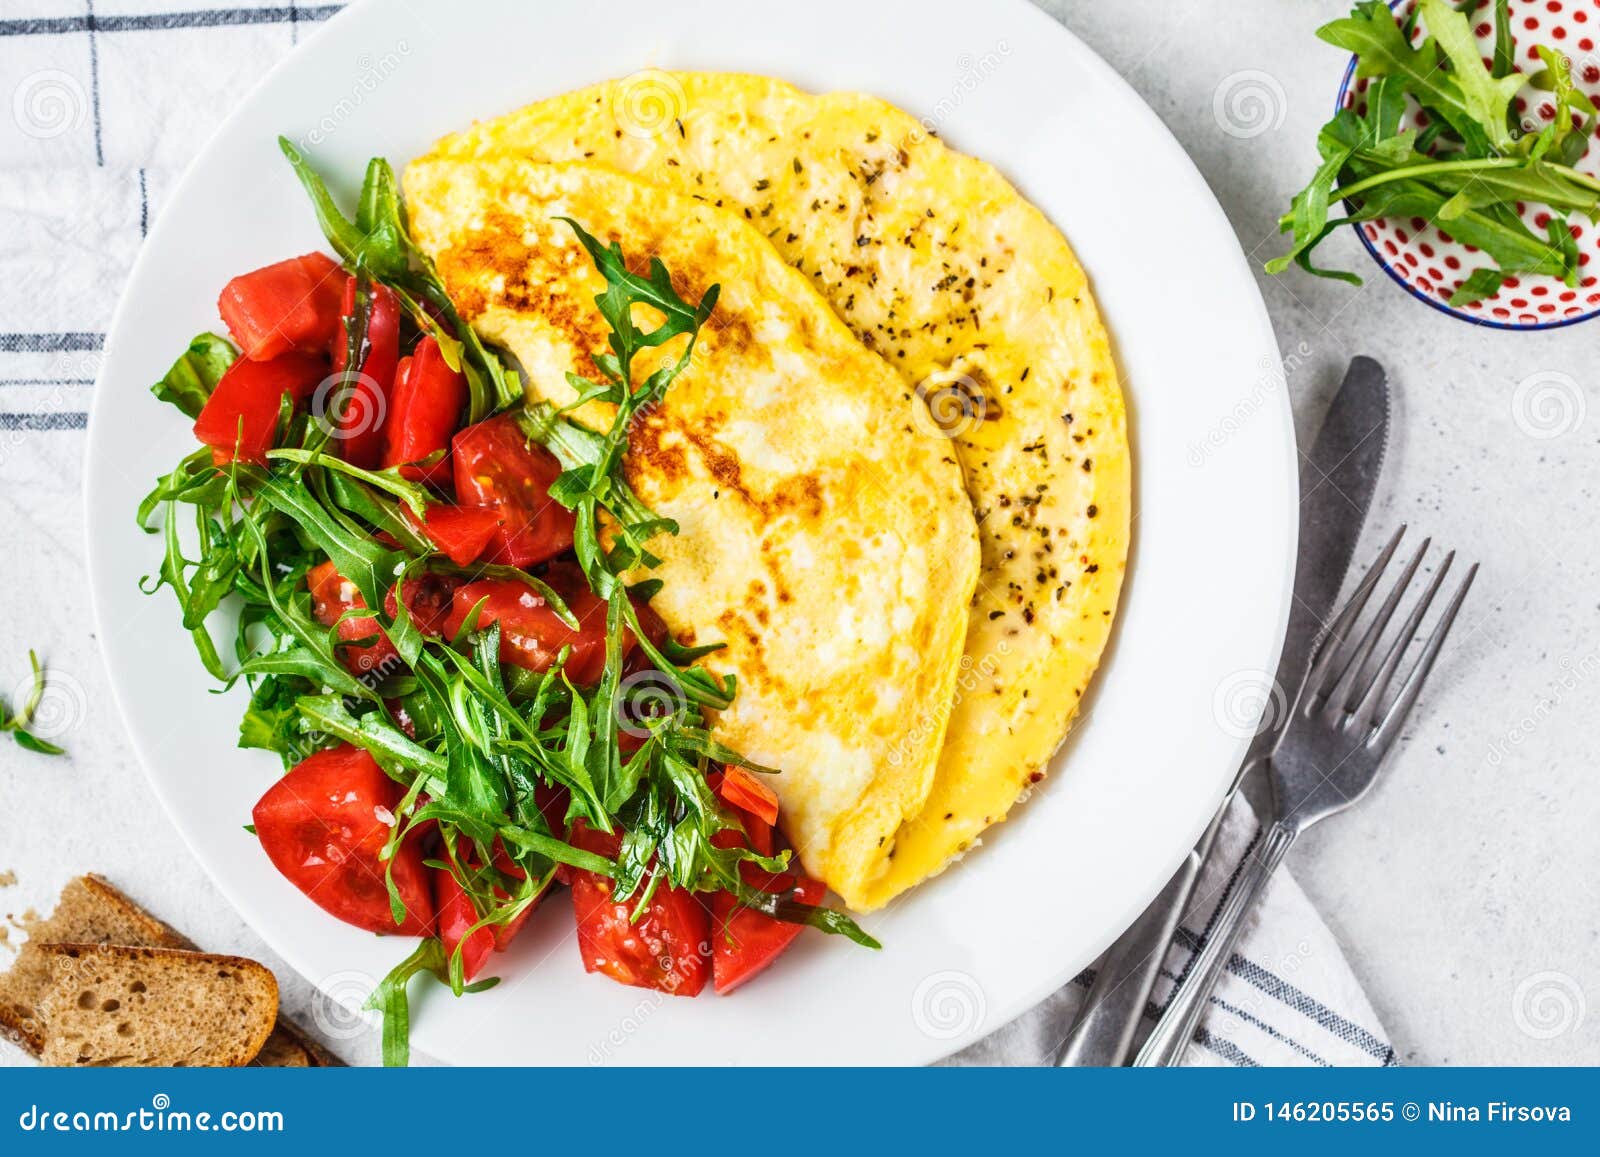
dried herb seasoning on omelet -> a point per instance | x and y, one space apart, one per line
822 538
942 268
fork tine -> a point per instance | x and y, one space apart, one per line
1367 710
1333 638
1407 699
1342 698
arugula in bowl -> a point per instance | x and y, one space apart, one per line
1473 163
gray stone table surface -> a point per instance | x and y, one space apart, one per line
1462 890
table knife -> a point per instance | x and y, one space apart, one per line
1337 481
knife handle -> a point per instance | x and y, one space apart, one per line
1104 1031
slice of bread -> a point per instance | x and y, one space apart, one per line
92 911
113 1005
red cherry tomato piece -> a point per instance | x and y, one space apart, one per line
359 423
323 826
293 305
367 649
427 600
456 918
462 533
531 634
743 789
424 411
745 942
667 949
496 465
241 415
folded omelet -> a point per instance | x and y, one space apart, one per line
943 269
828 544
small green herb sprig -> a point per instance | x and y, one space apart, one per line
18 721
1467 170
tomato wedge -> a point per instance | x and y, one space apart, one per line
462 533
293 305
456 918
744 942
744 790
241 415
324 824
427 600
531 634
359 423
496 465
424 411
667 949
366 650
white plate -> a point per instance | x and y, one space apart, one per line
1207 593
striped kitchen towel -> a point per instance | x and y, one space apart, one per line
106 101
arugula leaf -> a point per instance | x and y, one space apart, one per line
188 384
379 241
1479 284
392 1001
364 561
1485 98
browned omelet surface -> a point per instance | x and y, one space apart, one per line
976 300
823 539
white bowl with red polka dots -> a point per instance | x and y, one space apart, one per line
1430 264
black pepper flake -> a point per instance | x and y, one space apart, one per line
863 241
1067 418
1093 510
993 615
1088 465
797 165
762 185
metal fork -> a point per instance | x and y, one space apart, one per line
1342 724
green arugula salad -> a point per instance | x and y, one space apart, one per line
431 590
